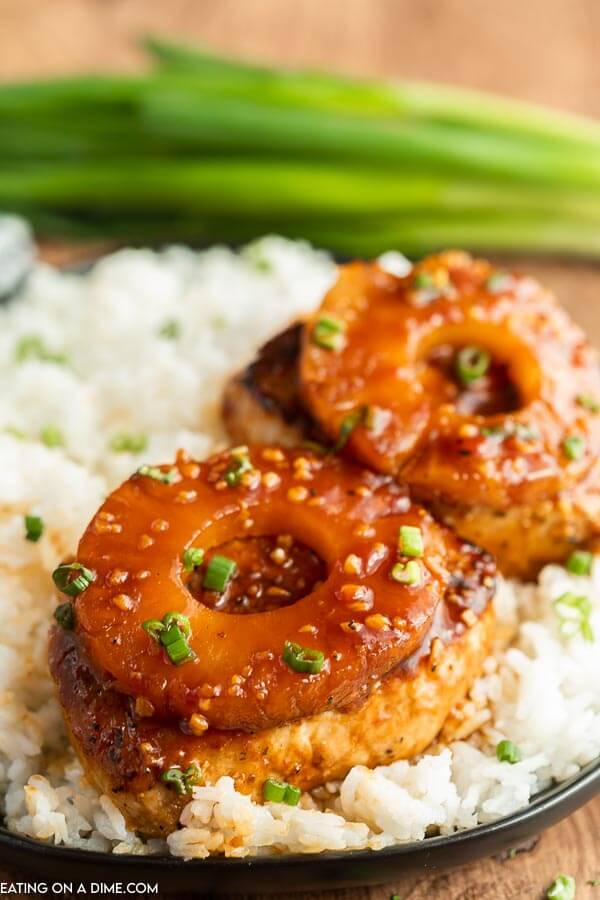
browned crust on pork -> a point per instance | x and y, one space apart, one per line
262 403
124 755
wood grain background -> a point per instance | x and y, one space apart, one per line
542 50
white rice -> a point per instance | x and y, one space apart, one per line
122 376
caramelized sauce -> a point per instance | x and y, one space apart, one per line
491 394
498 442
272 572
340 600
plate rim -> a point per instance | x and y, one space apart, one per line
583 786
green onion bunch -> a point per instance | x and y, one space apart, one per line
201 148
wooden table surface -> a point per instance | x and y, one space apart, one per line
543 50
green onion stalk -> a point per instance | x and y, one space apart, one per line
202 148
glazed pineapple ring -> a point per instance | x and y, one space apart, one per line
385 576
473 385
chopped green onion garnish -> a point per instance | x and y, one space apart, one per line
562 888
176 645
376 418
410 541
256 255
471 363
173 633
498 282
281 792
170 330
328 333
315 447
31 346
573 447
574 613
182 780
239 464
274 791
426 287
157 474
192 558
182 622
508 752
580 562
524 432
34 528
52 436
495 431
219 572
422 280
510 430
69 585
65 615
589 402
407 573
15 432
349 423
303 659
153 627
128 443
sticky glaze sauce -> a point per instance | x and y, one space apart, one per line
497 443
134 749
272 572
490 395
360 619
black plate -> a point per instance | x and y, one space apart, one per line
290 873
301 872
